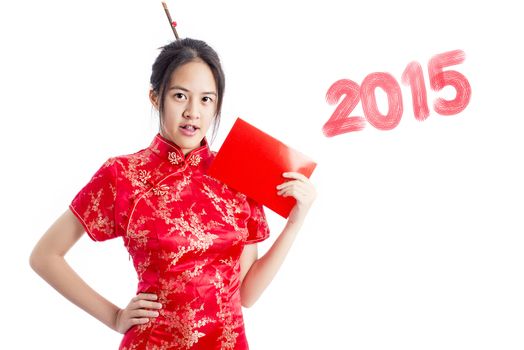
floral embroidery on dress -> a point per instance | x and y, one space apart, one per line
161 190
185 324
144 176
231 206
182 184
194 159
191 225
137 234
230 324
180 283
175 158
185 232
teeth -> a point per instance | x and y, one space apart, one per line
189 127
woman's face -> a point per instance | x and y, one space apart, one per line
190 105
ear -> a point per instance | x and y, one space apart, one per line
153 98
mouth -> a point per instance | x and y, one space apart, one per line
189 127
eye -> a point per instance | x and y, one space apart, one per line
179 96
207 99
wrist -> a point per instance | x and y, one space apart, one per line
294 224
115 319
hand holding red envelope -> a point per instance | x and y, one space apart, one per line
252 162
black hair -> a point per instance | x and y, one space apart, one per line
178 53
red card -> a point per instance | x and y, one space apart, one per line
252 162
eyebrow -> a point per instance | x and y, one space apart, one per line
186 90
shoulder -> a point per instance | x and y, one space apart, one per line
143 157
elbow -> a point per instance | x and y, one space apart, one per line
247 304
35 261
38 260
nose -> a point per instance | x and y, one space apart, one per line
191 111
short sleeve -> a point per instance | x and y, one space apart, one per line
257 227
94 205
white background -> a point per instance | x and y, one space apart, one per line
416 238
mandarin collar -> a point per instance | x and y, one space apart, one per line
172 153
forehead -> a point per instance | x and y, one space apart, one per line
194 76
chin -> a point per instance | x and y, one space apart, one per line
190 144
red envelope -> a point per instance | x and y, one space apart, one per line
252 162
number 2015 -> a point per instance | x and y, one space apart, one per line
341 122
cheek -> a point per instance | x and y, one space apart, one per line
170 114
167 120
210 122
205 128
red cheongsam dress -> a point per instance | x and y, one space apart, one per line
185 232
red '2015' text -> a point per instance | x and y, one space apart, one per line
341 122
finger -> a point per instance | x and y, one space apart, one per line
289 192
305 182
294 184
134 321
294 192
144 304
295 175
141 313
289 183
302 188
147 296
144 296
302 196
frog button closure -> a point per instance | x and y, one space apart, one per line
175 158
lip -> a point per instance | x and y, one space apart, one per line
194 126
186 132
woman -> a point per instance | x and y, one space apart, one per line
193 239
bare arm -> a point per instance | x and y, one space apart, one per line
47 260
256 273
